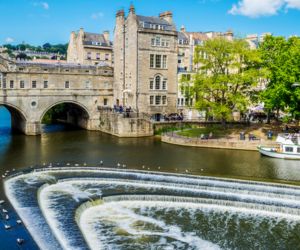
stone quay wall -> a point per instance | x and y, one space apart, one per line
119 125
173 138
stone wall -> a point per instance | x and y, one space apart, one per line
116 124
173 138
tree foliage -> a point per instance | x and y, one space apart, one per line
281 58
47 47
227 73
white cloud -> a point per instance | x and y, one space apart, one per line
256 8
9 40
43 5
97 15
293 4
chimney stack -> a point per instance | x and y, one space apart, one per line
167 15
120 13
182 29
132 9
106 35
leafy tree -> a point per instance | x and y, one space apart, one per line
227 73
281 58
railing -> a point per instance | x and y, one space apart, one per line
125 113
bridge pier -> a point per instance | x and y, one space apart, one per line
32 128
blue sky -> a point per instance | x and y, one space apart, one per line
37 22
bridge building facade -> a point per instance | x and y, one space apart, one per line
28 90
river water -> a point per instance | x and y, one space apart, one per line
85 147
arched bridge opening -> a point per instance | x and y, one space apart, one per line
12 118
72 114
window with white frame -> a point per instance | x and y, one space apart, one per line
151 100
157 100
164 62
158 61
151 61
164 100
45 84
11 84
164 84
22 84
67 84
33 85
157 82
151 85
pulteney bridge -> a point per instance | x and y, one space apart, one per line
28 90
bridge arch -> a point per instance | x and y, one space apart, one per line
75 113
18 117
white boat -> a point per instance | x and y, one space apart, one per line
288 147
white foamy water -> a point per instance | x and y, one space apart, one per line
53 226
122 218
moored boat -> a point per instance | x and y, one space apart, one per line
288 147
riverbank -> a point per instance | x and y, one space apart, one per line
222 143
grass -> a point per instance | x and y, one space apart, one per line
217 131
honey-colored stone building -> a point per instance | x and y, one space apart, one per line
90 48
145 69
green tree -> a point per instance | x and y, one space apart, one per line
227 73
281 58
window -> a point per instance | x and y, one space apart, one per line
152 41
151 84
22 84
164 65
163 42
11 84
157 41
157 82
67 84
98 56
158 61
45 84
164 85
105 101
87 84
33 84
288 149
167 43
298 150
151 100
157 100
89 56
106 57
164 100
151 61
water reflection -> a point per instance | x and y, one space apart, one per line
62 144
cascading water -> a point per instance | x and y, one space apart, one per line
97 208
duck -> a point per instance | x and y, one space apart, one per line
4 211
7 227
19 222
2 202
20 241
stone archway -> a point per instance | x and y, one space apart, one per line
18 118
74 113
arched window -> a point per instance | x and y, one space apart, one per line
157 82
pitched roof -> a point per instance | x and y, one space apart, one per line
147 20
95 39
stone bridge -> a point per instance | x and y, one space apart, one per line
28 90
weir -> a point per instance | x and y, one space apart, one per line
64 194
